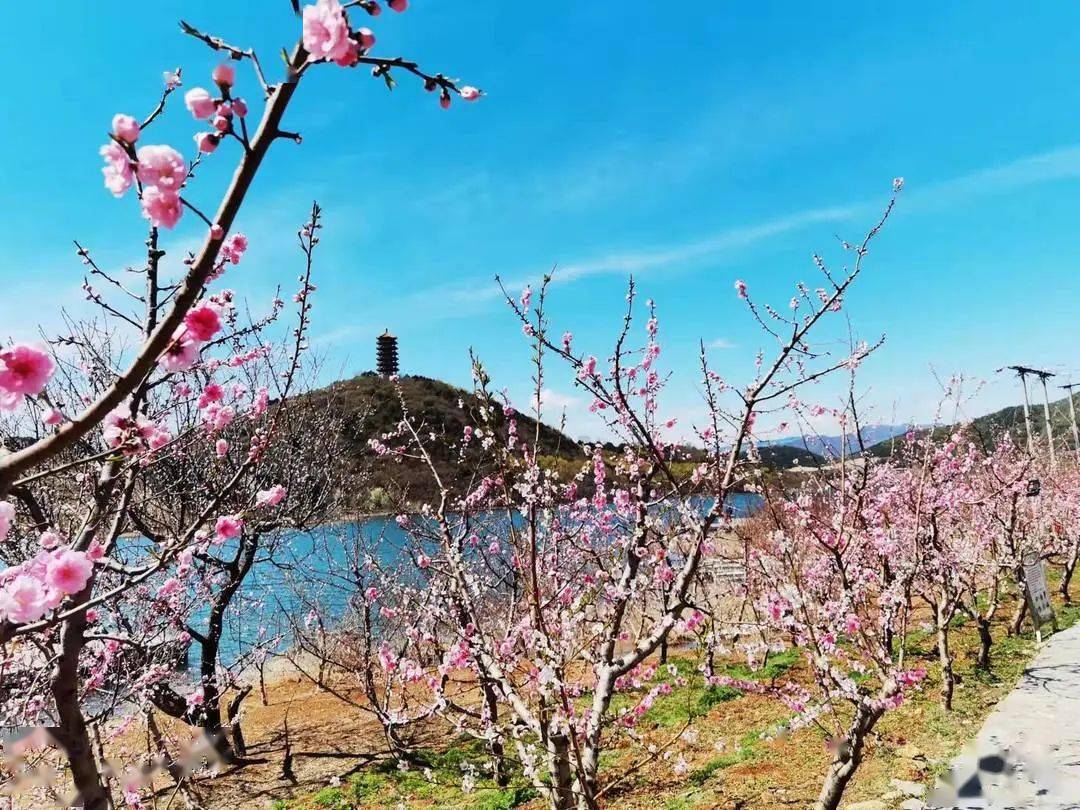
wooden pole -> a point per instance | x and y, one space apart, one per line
1027 410
1072 416
1046 414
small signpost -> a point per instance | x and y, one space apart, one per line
1038 595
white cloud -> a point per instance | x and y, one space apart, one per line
721 343
556 401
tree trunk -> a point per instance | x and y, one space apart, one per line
985 642
238 743
1018 617
848 756
561 794
948 681
495 746
1066 577
71 731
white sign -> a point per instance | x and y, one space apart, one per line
1037 593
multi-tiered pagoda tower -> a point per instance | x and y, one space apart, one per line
386 355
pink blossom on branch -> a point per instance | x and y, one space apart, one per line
23 599
271 497
162 208
224 75
181 353
207 142
326 31
117 169
203 321
199 102
7 519
68 571
125 128
161 166
25 369
227 527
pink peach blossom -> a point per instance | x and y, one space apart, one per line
233 250
398 5
271 497
367 38
23 600
169 587
351 55
203 321
7 518
181 354
25 369
52 417
221 448
117 168
326 30
68 571
161 166
199 102
95 551
240 107
212 393
162 208
470 93
228 526
10 401
125 128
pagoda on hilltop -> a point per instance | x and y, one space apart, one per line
386 355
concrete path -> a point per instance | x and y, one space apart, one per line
1027 754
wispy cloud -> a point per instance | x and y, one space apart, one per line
721 343
1057 164
469 297
1054 165
640 261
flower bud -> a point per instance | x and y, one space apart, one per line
224 75
207 142
125 128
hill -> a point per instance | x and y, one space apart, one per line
991 427
368 406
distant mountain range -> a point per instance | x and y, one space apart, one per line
829 447
990 427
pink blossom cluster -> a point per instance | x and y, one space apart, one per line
30 590
121 430
201 324
24 371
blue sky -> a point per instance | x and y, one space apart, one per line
723 141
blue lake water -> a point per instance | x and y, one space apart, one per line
322 561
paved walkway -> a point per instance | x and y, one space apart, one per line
1027 754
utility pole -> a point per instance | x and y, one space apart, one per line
1022 371
1043 376
1072 415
